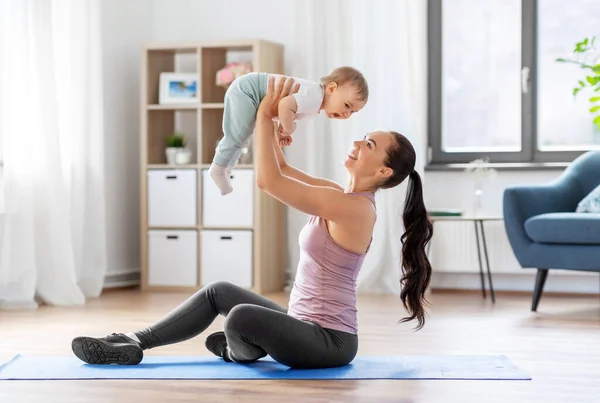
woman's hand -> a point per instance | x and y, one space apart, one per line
275 93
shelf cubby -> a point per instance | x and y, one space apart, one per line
164 122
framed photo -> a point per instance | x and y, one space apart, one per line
178 88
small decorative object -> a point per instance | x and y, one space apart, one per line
231 71
176 152
586 57
480 170
178 88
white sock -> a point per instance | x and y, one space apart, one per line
220 176
133 337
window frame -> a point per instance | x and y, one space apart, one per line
529 151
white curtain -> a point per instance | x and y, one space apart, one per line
386 40
52 238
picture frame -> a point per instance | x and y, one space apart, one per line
178 88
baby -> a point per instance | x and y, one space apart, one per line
340 94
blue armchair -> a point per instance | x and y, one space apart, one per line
543 228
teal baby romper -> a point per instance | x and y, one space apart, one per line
239 117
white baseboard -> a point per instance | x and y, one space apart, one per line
557 281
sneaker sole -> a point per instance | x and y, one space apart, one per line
96 351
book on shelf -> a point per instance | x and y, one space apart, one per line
445 213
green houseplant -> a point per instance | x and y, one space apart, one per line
176 140
176 152
587 57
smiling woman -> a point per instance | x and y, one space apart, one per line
319 329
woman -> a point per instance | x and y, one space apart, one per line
320 328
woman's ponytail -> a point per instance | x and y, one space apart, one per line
416 269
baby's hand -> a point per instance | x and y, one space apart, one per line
285 141
283 133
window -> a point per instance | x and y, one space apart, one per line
495 87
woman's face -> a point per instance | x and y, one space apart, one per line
367 156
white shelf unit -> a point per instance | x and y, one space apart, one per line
190 234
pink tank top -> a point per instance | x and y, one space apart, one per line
324 290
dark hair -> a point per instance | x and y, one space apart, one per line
416 269
349 75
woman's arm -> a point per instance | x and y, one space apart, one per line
325 202
296 173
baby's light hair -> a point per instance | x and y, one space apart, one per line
348 75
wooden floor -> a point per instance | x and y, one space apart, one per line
559 347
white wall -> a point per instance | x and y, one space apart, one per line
125 26
201 20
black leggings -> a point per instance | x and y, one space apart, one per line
254 326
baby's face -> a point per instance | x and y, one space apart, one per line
342 102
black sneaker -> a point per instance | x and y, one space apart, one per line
216 343
113 349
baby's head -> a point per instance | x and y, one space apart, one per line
346 92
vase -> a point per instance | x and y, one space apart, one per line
477 201
183 156
171 153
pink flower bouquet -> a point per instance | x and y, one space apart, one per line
230 72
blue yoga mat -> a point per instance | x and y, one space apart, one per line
159 367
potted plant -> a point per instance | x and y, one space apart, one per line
176 151
587 58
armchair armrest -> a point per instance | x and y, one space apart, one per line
523 202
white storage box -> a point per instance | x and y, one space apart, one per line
226 256
172 198
234 210
173 258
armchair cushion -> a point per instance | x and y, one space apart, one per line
564 228
591 202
